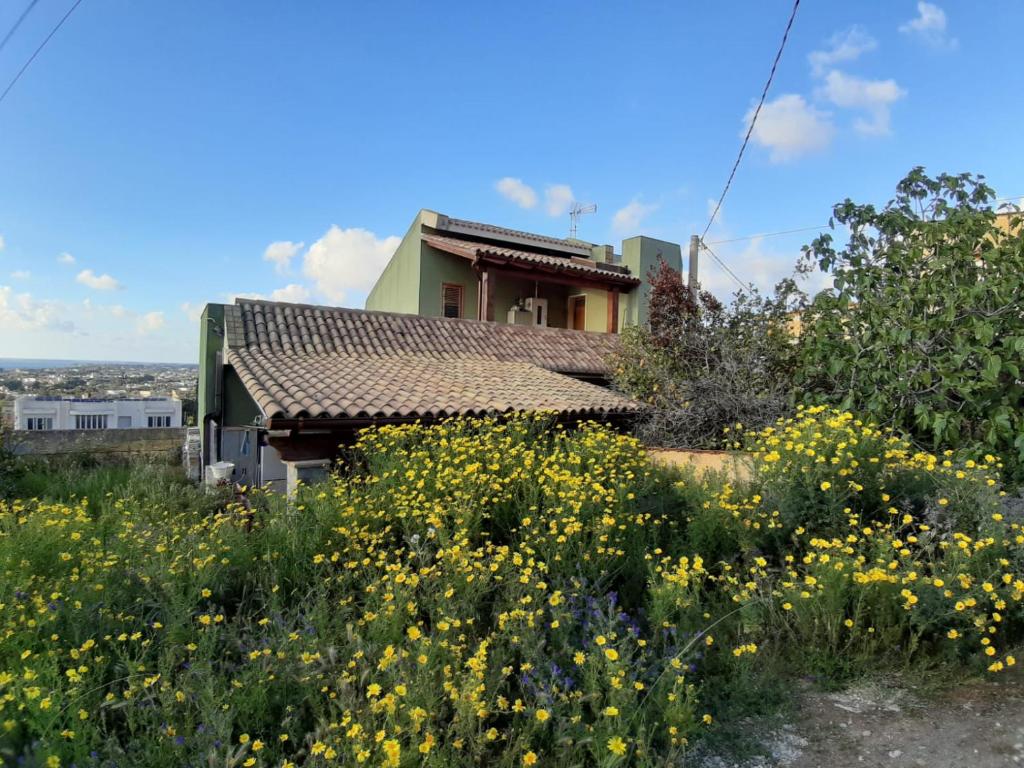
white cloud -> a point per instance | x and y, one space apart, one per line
293 292
281 253
21 274
20 312
630 216
118 311
2 242
90 279
873 96
842 46
790 127
930 26
150 322
192 311
515 190
558 198
347 260
65 258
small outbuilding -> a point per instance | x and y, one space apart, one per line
283 386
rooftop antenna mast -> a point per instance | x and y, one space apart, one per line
575 212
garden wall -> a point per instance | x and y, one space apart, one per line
732 463
101 444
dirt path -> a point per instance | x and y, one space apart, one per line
873 725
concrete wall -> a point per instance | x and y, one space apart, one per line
102 444
737 465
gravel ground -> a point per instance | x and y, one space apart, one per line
879 725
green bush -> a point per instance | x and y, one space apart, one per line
922 331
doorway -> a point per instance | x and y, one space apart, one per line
578 313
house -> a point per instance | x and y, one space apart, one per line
446 267
35 413
282 386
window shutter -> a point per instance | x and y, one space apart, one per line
451 300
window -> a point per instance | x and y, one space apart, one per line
451 300
90 421
159 421
39 422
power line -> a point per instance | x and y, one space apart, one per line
17 24
35 53
1012 198
768 234
723 265
753 120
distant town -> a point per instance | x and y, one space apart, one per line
81 379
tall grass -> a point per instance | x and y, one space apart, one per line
487 592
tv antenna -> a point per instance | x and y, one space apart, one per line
575 212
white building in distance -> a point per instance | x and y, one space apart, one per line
34 413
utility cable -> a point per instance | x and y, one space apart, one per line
38 50
753 120
768 234
12 30
723 265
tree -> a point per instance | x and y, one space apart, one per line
924 329
701 366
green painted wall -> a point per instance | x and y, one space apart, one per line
411 282
508 289
240 410
437 267
640 254
210 343
398 287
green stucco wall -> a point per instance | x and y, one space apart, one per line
508 289
436 268
641 254
240 410
398 287
210 342
411 282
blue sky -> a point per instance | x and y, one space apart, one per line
158 156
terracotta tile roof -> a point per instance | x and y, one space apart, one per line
300 361
343 386
294 329
574 266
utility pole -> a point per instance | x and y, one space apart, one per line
694 257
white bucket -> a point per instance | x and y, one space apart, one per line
221 470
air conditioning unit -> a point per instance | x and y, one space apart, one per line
538 308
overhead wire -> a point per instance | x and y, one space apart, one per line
13 29
37 51
768 234
741 283
743 148
753 119
819 227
